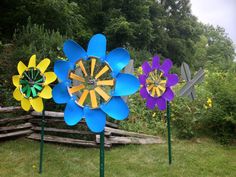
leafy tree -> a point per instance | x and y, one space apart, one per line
220 49
53 14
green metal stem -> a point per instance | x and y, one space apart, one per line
169 132
102 167
42 142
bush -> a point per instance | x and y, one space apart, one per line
142 119
213 111
187 115
221 119
35 39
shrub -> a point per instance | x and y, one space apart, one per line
187 115
221 119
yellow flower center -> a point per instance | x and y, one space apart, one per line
156 83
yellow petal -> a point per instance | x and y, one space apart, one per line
50 77
106 82
25 104
93 63
81 65
102 71
21 67
37 104
158 92
102 93
76 88
46 92
93 99
76 77
153 91
83 97
17 94
16 80
32 62
43 65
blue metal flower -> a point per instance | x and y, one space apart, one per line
91 83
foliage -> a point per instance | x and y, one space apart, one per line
138 56
6 69
187 115
34 38
214 48
212 113
60 15
166 27
221 119
142 119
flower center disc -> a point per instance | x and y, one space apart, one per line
31 83
91 83
156 83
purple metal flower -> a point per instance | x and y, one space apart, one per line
156 83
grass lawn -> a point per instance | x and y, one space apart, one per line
19 158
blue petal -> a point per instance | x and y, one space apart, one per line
95 119
118 59
61 68
126 84
60 93
116 108
73 113
97 46
74 51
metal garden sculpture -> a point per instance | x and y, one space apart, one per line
32 86
156 89
188 88
91 85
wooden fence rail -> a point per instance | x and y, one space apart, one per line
14 126
56 131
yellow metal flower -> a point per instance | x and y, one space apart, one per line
32 84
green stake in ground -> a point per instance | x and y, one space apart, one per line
32 86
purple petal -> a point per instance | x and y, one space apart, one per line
146 68
172 79
151 102
161 103
155 62
169 94
166 66
142 79
143 92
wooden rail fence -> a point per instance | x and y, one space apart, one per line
57 131
14 126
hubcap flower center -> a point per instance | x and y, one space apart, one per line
156 83
91 77
32 81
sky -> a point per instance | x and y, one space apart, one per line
217 12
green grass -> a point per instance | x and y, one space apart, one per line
19 158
